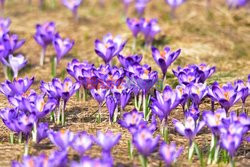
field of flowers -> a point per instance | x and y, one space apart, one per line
124 83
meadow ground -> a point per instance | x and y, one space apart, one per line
219 38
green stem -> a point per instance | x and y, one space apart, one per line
26 146
216 155
63 113
42 56
53 67
191 151
100 113
232 162
11 138
143 160
212 149
130 150
136 102
144 105
78 94
20 136
58 113
34 133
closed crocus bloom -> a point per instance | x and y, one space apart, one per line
164 102
144 137
236 3
107 140
61 139
5 22
109 47
140 6
72 5
169 153
62 46
134 25
189 129
182 93
82 142
17 63
242 87
197 92
165 58
111 105
129 60
214 120
227 95
42 131
193 111
175 3
149 28
132 120
16 87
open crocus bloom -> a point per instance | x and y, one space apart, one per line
82 142
165 58
164 102
169 153
189 129
107 140
144 137
109 47
62 139
17 63
149 28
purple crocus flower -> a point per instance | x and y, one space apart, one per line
5 22
99 94
165 58
72 5
126 4
204 71
236 3
61 139
17 87
86 161
197 92
109 47
193 111
174 3
143 77
42 131
182 93
111 105
132 120
149 28
62 46
28 161
25 122
164 103
134 25
214 120
9 117
140 6
44 36
17 63
122 96
82 142
227 95
186 76
169 153
245 89
230 142
12 42
144 137
189 129
107 140
58 158
130 60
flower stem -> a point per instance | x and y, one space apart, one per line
26 146
144 105
20 136
53 67
34 133
11 138
100 113
42 56
144 160
216 155
63 113
58 113
191 152
5 72
232 162
130 150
